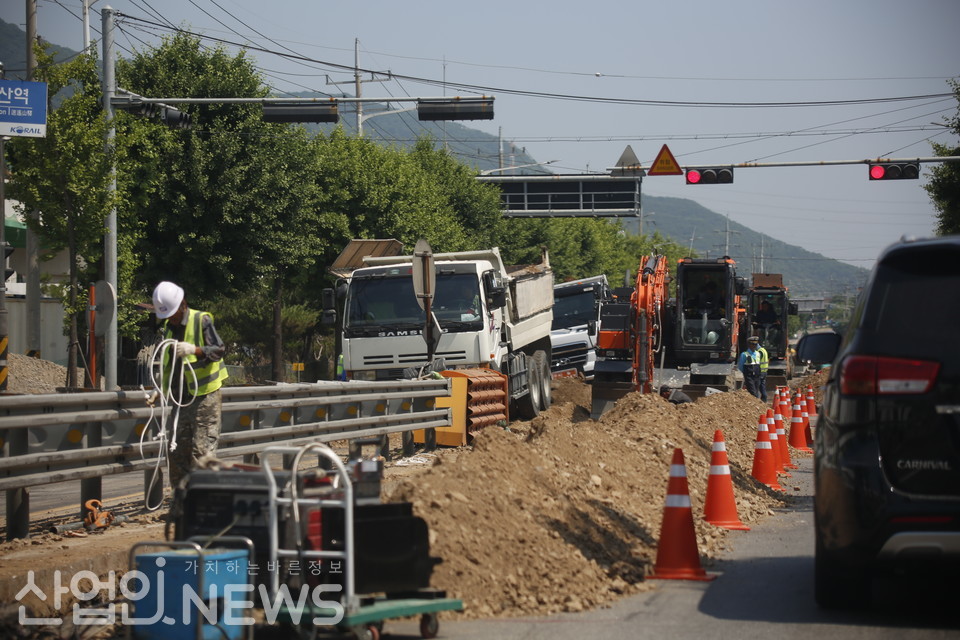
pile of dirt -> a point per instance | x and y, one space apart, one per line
33 375
563 513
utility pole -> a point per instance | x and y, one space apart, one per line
110 350
32 243
358 85
4 327
726 233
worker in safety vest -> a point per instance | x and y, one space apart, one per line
764 365
192 374
749 366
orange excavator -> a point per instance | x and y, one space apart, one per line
631 332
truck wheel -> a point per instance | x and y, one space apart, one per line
529 405
546 380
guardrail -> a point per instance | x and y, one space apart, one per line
49 438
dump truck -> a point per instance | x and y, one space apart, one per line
576 324
486 319
768 305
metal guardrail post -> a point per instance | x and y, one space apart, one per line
18 500
91 488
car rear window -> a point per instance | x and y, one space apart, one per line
914 304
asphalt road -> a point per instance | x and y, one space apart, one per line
763 589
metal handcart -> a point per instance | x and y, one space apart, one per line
362 615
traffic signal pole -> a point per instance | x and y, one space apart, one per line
803 163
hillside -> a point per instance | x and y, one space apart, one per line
805 272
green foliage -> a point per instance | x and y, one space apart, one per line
944 185
65 175
243 323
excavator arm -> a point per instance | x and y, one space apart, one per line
630 336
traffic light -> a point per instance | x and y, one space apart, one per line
136 107
301 112
174 118
133 103
710 175
7 271
430 109
895 171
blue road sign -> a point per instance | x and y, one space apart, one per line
23 108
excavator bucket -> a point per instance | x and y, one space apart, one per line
478 398
611 381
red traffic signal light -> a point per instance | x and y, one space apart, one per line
895 171
710 175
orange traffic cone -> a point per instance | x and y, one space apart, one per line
677 555
764 464
798 433
782 440
720 508
805 405
785 410
775 443
811 403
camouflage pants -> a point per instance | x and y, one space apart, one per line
198 431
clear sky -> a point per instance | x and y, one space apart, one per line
577 82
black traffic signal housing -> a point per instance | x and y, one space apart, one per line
433 109
134 104
710 175
7 271
301 112
174 118
894 170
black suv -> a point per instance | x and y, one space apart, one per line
887 444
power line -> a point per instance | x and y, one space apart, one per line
561 96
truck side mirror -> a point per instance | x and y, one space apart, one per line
497 298
328 300
592 327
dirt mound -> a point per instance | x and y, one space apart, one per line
563 513
33 375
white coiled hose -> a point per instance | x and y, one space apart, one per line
166 428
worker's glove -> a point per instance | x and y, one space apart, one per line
185 349
152 398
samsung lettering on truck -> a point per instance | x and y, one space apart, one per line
490 316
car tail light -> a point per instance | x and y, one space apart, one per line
870 375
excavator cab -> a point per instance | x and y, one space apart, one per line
707 318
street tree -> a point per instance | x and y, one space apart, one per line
64 177
944 185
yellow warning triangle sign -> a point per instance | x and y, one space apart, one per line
665 164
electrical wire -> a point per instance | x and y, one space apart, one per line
486 89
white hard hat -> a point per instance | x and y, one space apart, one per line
712 337
166 299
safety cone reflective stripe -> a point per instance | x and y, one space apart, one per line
798 434
677 555
776 444
720 508
764 464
